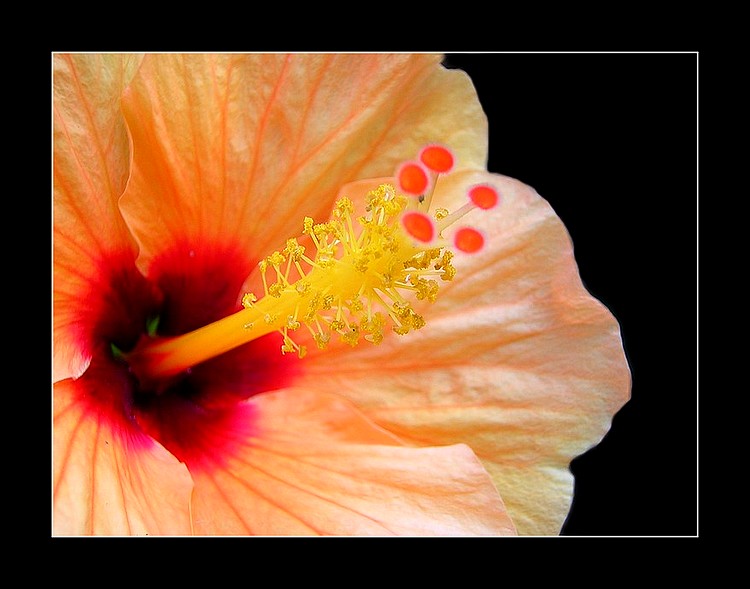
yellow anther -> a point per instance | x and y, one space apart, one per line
275 289
441 214
287 347
373 323
351 336
402 310
248 299
427 289
321 230
394 207
375 337
449 273
375 197
322 339
344 206
444 264
276 259
373 328
302 287
307 225
292 323
445 260
293 249
424 259
400 329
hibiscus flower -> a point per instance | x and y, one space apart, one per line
265 322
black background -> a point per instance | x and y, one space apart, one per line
610 140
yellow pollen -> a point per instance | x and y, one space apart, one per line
357 285
358 276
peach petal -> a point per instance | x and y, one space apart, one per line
316 466
110 479
517 359
242 147
91 165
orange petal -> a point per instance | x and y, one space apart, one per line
109 478
91 165
239 148
517 359
316 466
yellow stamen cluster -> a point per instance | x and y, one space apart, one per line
358 277
354 286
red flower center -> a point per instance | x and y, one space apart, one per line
185 288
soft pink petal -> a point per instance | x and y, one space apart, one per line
517 360
239 148
109 478
91 165
313 465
